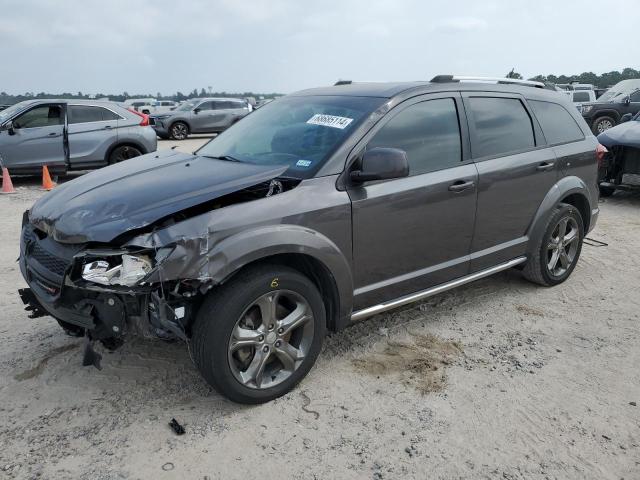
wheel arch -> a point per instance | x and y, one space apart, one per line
313 269
571 190
125 143
606 113
179 120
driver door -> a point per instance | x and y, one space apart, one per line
415 232
37 139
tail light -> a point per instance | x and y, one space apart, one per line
601 151
144 116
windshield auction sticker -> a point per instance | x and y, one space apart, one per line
330 121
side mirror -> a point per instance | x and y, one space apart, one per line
196 110
381 164
626 117
627 100
8 127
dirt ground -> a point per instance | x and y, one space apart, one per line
498 379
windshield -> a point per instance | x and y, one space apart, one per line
9 112
300 132
619 91
188 105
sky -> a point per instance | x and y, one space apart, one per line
286 45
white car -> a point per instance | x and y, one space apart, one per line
158 106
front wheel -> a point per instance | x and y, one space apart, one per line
258 335
557 253
179 131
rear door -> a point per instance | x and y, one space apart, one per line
37 139
516 171
415 232
92 131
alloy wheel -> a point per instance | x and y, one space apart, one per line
563 246
179 131
271 339
604 125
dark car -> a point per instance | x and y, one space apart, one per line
2 107
321 209
620 163
619 100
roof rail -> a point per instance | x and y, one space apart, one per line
459 78
343 82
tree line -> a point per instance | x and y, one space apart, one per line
605 80
8 99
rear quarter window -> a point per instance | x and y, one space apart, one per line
580 97
502 125
558 126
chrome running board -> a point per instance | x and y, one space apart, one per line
443 287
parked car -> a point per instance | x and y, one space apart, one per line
71 134
200 115
606 112
2 107
620 166
156 107
138 103
321 209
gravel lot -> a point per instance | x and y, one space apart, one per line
498 379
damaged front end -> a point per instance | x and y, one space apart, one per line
620 165
106 290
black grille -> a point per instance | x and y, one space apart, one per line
48 261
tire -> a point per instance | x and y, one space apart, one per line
71 329
229 368
538 269
606 191
601 124
178 131
122 153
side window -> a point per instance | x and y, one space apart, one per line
428 131
109 115
44 116
502 125
207 106
635 96
557 123
84 114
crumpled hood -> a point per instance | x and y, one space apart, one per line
104 204
626 134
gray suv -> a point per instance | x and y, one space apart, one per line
71 134
321 209
200 115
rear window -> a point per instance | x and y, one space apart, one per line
502 125
581 96
557 123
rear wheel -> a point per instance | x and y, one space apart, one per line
557 253
122 153
603 123
257 336
179 131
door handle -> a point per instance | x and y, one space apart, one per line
545 166
53 134
461 185
108 127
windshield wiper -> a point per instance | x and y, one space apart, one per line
228 158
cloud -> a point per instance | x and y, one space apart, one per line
461 24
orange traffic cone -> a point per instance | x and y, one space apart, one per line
47 183
7 184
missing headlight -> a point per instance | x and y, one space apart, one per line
130 270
